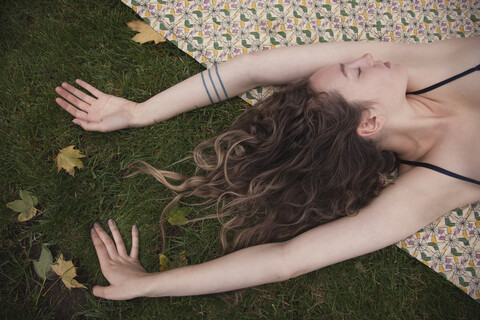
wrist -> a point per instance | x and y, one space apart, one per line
147 286
139 116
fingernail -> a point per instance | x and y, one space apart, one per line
96 225
92 231
134 228
111 222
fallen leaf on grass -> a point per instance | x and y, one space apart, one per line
179 261
67 272
42 266
177 216
26 206
145 32
69 158
164 262
176 262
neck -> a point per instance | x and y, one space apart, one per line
413 130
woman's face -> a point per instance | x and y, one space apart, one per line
363 80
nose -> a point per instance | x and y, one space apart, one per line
367 58
364 61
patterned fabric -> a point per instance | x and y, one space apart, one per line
451 246
213 31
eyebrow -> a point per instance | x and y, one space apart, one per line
342 68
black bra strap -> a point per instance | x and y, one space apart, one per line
438 169
441 83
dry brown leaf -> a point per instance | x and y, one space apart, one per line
67 272
69 158
145 32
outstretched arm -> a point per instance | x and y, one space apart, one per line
104 112
416 199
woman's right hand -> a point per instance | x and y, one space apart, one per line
125 274
100 112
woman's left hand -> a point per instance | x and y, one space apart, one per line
122 270
98 111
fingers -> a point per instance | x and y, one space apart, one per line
117 237
77 93
71 109
76 97
106 240
99 291
75 101
135 243
100 248
111 293
97 93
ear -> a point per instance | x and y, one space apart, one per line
371 124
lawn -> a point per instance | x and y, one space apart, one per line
45 43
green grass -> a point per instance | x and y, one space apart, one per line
47 42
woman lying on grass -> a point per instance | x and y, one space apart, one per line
306 164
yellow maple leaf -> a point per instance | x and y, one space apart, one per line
69 158
67 272
145 32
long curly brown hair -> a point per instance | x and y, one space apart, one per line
290 163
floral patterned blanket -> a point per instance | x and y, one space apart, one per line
212 31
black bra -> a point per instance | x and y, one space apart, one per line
438 169
441 83
431 166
